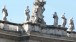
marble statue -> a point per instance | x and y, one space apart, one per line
43 9
5 13
38 10
27 13
64 20
35 16
55 19
71 25
36 2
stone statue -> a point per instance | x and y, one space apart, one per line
36 2
5 13
38 10
55 19
64 20
35 16
43 9
71 25
27 13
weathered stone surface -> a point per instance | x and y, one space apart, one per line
30 32
35 29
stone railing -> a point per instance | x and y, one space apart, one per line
47 29
71 34
5 25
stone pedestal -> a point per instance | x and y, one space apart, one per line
27 27
31 27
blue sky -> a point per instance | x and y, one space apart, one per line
16 10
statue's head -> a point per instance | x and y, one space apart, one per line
27 7
4 7
71 18
55 13
63 16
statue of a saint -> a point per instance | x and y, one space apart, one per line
37 13
5 13
71 25
64 21
36 16
39 6
27 13
55 19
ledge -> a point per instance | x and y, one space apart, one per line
53 27
38 24
31 23
7 22
71 32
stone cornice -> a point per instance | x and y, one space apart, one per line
53 27
71 32
7 22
